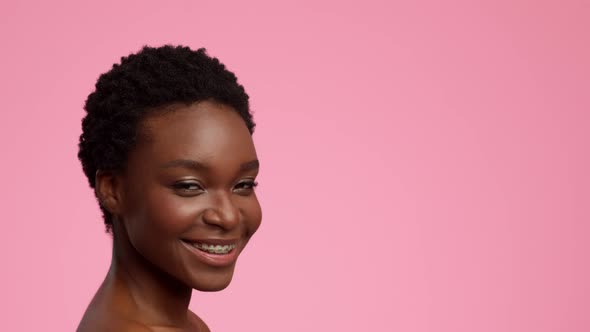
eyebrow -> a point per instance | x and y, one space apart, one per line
250 166
195 165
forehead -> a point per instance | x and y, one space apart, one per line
202 131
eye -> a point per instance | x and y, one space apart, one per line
246 187
188 188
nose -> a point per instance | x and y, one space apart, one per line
222 212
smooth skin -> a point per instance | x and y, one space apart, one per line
191 175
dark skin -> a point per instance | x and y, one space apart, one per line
190 178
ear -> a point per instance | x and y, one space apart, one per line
108 188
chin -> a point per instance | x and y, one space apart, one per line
211 286
213 282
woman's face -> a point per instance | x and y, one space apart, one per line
188 202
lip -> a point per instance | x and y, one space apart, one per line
216 260
220 242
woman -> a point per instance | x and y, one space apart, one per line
167 147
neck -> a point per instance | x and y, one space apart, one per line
142 290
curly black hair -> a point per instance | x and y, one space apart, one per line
143 82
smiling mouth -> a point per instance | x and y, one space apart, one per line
215 249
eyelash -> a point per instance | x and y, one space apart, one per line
185 187
251 184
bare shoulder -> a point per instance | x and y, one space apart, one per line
112 326
131 326
197 321
92 323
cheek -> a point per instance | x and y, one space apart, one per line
161 215
253 214
157 224
171 214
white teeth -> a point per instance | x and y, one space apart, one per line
214 249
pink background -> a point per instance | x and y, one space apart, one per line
425 165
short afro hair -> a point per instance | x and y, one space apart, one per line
143 82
